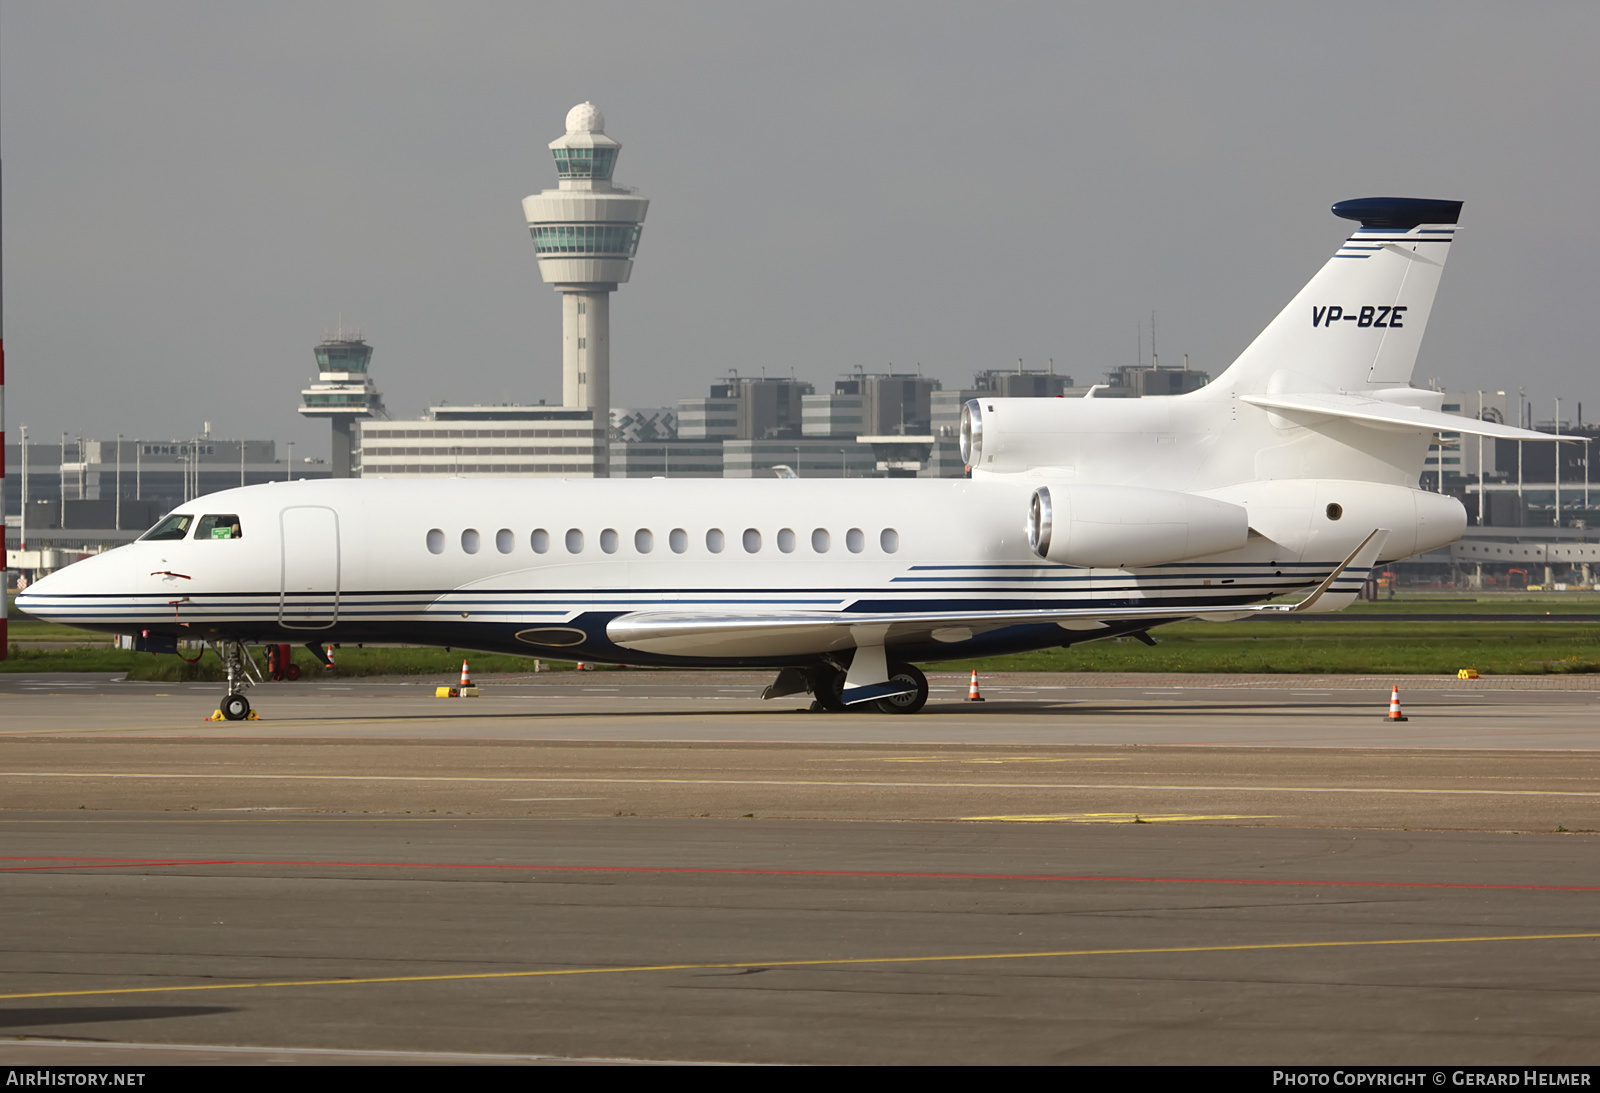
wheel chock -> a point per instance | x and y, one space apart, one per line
252 716
1467 673
468 692
447 692
216 715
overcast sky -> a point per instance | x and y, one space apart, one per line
195 192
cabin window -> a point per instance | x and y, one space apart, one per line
539 540
714 540
855 540
889 540
608 540
786 540
470 541
435 541
643 541
752 540
678 540
504 540
821 540
574 541
173 527
219 527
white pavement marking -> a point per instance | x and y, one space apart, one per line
799 782
552 798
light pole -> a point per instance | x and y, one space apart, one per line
1479 445
1557 452
288 462
22 529
119 481
1522 415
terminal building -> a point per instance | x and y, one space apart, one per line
83 495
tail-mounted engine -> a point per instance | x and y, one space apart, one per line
1007 436
1119 527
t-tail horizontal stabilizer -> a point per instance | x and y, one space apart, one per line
1388 415
1359 322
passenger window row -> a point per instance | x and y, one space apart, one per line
644 541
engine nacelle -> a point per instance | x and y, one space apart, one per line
1120 527
1006 436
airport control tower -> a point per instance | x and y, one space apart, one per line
345 391
586 231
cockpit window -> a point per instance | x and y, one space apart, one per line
219 527
175 526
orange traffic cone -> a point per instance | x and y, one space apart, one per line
466 689
1394 707
972 690
582 667
331 666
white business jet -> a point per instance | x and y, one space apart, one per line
1295 471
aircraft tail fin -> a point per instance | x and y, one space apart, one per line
1357 325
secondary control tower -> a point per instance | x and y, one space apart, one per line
586 232
344 393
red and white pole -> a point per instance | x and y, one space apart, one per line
5 570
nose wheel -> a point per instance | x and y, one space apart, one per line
242 674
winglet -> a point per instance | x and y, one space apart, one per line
1362 557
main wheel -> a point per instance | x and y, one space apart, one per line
912 701
827 684
236 707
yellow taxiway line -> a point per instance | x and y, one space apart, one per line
837 962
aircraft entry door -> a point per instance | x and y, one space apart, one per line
309 597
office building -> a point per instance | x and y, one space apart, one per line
485 441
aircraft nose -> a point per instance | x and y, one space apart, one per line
74 592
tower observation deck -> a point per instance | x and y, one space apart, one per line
586 232
345 392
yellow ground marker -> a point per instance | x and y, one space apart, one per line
836 962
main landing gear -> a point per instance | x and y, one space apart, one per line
826 682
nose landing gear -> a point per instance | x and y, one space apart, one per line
242 674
